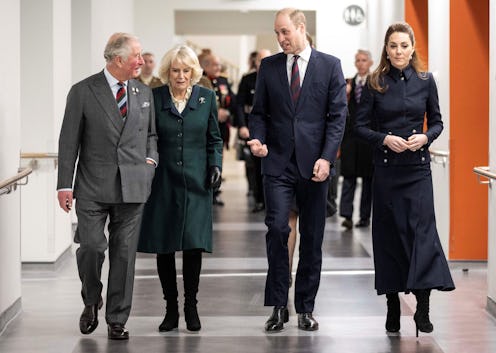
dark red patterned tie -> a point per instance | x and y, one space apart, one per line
120 97
358 90
295 80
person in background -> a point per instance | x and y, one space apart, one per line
225 102
252 61
244 101
146 75
356 155
408 256
109 128
204 80
178 214
296 126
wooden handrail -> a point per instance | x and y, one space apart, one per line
439 157
438 153
10 184
35 156
486 173
38 155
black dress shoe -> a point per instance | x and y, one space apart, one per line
307 322
347 223
89 318
362 223
117 332
276 321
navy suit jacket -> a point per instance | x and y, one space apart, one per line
313 128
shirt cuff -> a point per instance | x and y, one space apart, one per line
152 160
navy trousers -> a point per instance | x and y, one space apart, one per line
311 200
348 196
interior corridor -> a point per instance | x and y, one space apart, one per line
350 314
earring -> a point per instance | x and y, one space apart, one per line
387 57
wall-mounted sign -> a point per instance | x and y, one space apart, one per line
354 15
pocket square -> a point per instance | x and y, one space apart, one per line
145 104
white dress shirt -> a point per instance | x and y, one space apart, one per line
302 63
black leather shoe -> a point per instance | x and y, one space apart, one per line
362 223
89 318
347 223
307 322
117 332
275 323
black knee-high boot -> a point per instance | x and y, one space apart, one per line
393 312
421 317
166 267
192 260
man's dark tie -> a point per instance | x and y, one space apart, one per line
295 80
358 90
120 97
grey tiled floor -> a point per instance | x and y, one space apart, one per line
231 307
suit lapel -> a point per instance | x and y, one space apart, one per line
283 76
104 96
307 80
167 103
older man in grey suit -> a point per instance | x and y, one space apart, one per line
109 124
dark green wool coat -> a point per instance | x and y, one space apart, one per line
178 213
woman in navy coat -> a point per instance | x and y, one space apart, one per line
408 256
178 214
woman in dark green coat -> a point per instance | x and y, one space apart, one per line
178 214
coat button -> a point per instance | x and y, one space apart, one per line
385 160
414 131
180 163
385 151
390 133
180 134
180 121
179 148
422 149
423 159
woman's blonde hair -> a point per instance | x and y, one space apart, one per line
185 55
376 78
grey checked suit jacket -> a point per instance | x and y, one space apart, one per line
112 153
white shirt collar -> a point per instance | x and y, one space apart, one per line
361 78
112 81
305 54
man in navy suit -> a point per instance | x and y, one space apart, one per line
296 127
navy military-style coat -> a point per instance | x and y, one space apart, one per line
407 252
399 111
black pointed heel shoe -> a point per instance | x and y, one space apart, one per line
393 313
421 316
